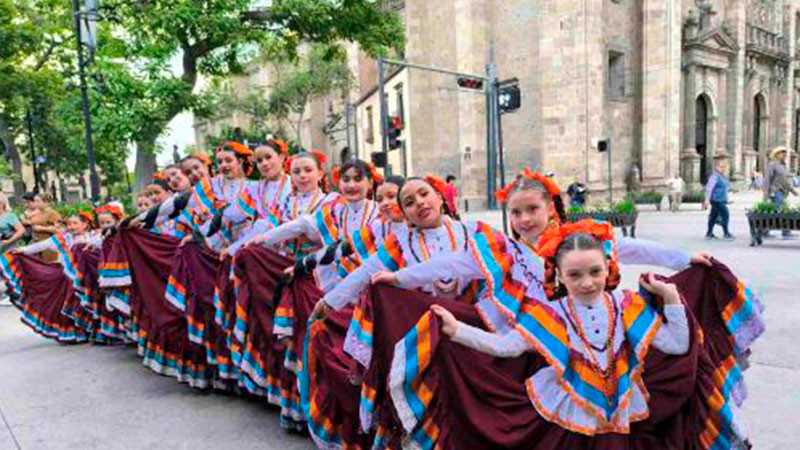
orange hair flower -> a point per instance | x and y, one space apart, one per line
438 184
236 147
552 237
548 183
160 176
114 210
283 147
87 216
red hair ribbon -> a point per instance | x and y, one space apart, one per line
554 236
320 157
438 184
110 208
549 184
376 176
336 173
287 164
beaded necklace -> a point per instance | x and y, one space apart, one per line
608 348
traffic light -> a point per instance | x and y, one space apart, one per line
395 131
470 83
602 145
509 98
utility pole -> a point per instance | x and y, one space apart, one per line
29 120
384 115
87 119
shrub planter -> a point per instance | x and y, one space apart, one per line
761 222
649 198
616 219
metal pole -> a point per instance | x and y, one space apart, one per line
610 181
347 127
435 69
87 119
384 115
499 120
491 131
33 149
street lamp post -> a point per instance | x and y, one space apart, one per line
87 119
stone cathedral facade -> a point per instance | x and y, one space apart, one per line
670 82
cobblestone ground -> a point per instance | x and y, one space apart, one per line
85 397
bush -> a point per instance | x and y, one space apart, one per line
651 197
694 197
770 208
68 209
624 207
574 209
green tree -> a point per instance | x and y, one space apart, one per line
218 37
322 71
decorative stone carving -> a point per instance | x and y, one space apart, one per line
690 169
707 13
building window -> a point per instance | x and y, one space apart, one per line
370 127
616 75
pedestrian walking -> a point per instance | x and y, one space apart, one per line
675 187
717 189
451 194
577 193
777 181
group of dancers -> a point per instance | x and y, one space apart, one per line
374 318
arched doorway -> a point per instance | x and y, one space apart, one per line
758 115
701 135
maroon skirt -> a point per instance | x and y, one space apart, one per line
43 291
480 402
163 338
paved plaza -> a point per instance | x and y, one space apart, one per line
88 397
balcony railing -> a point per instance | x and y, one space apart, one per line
767 42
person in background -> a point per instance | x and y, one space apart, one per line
756 179
675 187
42 219
451 194
777 181
11 231
717 189
577 193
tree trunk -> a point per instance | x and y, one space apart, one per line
14 158
145 162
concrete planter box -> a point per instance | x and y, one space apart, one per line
760 223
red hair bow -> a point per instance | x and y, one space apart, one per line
376 176
160 176
320 157
336 173
552 238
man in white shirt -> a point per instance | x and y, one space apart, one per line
675 186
